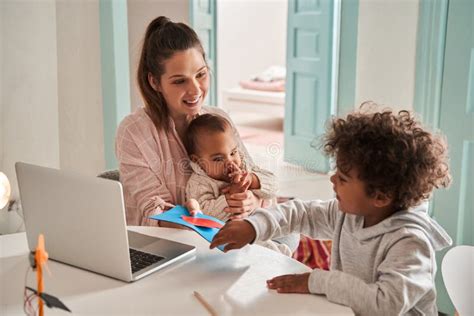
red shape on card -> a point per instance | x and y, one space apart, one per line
201 222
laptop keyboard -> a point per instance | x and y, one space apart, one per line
140 260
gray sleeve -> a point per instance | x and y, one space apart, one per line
404 277
315 218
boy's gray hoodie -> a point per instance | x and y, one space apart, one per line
385 269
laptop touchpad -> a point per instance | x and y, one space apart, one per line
140 241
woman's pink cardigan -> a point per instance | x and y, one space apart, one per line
154 166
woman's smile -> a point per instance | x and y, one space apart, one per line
192 102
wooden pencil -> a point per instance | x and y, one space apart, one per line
204 303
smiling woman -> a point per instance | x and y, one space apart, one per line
172 71
184 84
173 77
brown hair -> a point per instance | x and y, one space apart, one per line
163 38
209 123
392 153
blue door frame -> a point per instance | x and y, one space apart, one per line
443 88
203 19
115 71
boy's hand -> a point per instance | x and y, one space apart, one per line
234 235
290 283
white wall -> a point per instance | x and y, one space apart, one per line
29 83
81 138
251 36
2 123
140 14
386 52
51 91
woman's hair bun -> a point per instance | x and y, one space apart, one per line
158 23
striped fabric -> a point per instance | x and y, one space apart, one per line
314 253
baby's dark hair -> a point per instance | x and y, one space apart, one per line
392 153
208 123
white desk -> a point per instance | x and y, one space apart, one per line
233 283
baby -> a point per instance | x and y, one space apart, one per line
384 241
221 169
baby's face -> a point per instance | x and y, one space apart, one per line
217 151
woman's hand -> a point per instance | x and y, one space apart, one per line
242 204
168 206
290 283
193 207
234 216
234 235
172 225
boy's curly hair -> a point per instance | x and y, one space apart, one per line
392 153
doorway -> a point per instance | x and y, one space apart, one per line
445 78
251 50
252 42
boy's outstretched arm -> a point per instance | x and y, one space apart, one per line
314 218
234 235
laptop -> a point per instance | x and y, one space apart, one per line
83 221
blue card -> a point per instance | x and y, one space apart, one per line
174 216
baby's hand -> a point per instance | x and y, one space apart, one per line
234 172
242 185
290 283
193 207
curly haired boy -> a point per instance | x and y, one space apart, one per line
384 241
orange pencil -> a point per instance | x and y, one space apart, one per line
204 303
